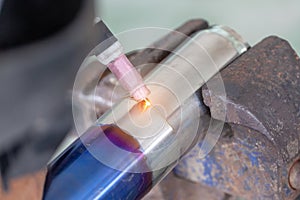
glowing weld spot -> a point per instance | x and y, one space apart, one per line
145 104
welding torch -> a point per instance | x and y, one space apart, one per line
110 52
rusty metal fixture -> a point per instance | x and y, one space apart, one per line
173 187
294 175
261 139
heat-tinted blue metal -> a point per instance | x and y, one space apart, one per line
76 174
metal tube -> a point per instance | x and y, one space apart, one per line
131 147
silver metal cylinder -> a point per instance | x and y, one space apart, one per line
167 128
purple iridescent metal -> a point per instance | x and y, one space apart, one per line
77 174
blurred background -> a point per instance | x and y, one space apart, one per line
254 19
45 63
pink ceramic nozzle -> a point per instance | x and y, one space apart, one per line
129 77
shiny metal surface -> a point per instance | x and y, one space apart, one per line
173 84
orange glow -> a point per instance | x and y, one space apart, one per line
145 104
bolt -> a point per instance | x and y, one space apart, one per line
294 176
